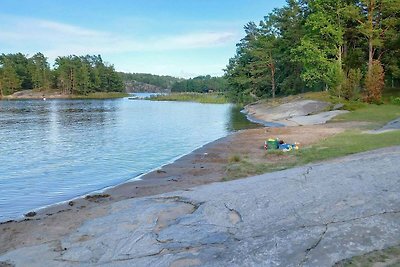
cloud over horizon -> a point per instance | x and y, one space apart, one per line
30 35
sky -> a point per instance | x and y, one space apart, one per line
182 38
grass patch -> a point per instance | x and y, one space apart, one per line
390 93
346 143
326 97
210 98
246 168
320 96
100 95
379 114
235 158
386 257
343 144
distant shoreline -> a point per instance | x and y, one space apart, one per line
38 95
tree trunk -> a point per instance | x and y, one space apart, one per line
371 10
272 67
340 52
370 54
273 80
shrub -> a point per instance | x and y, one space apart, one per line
351 84
234 158
335 79
374 83
395 100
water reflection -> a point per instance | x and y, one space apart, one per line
238 121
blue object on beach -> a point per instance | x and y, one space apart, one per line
285 147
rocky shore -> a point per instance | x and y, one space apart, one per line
190 226
293 113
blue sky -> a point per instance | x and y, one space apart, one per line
182 38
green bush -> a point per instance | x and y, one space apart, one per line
395 100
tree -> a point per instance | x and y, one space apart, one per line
10 82
378 22
287 25
263 66
20 65
321 47
374 83
84 79
238 71
39 69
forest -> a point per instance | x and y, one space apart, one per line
350 48
197 84
71 75
162 81
201 84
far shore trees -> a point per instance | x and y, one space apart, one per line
71 74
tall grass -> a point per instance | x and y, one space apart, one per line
99 95
211 98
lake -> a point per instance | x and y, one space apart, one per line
55 150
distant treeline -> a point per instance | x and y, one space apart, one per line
165 82
82 75
201 84
79 75
198 84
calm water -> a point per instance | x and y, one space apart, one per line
55 150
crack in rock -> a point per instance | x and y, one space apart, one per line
308 250
309 169
326 225
196 205
347 220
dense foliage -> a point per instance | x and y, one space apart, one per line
71 74
165 82
200 84
348 47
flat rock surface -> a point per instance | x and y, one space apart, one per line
295 113
314 215
319 118
390 126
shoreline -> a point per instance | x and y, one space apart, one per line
166 177
63 204
111 189
205 165
32 95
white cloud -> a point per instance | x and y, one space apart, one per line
30 35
